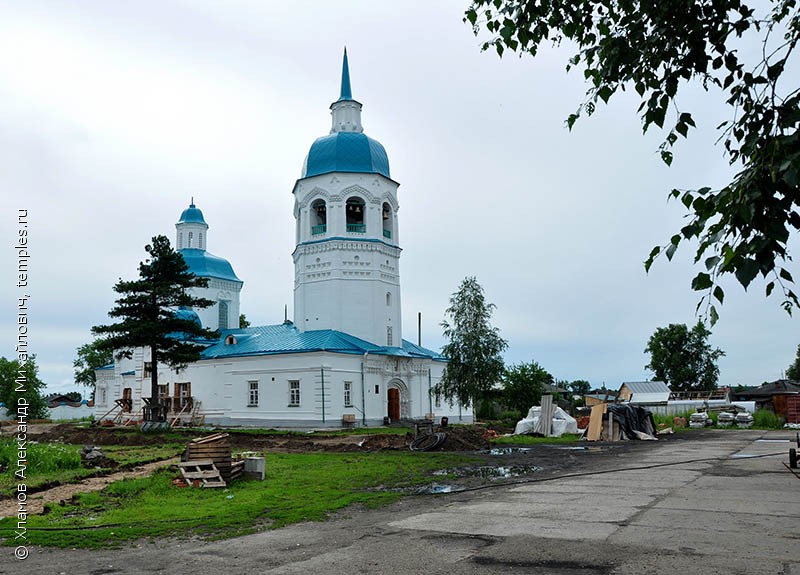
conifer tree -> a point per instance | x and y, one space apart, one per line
147 318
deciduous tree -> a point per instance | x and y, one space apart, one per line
683 359
523 385
147 316
90 357
657 48
15 375
473 349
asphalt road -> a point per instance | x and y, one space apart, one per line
705 506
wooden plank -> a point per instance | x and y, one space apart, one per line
200 474
195 463
596 422
546 415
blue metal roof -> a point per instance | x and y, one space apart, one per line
286 338
192 215
206 265
131 372
346 152
345 93
109 366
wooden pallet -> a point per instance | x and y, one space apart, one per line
216 448
237 469
202 471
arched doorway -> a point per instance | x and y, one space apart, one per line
394 404
398 405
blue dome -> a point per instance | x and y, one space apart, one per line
192 215
346 152
206 265
189 314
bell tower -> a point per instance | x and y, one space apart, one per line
347 254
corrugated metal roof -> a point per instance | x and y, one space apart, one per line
647 386
109 366
286 338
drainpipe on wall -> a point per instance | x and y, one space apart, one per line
322 374
430 399
363 391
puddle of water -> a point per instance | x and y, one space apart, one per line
744 455
508 450
491 472
436 488
773 441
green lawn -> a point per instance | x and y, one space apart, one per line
298 487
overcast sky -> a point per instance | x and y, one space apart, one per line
114 114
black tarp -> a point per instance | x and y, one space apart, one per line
632 418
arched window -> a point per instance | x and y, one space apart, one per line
190 239
388 221
354 214
180 240
200 240
388 299
319 217
223 314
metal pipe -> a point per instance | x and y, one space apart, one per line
363 391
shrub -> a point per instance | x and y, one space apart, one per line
766 419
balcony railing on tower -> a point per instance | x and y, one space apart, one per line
357 228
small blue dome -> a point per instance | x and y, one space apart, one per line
189 314
192 215
346 152
206 265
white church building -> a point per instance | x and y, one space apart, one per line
343 359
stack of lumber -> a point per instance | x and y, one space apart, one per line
216 448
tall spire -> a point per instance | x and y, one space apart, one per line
345 93
346 112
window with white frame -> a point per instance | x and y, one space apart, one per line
252 394
294 393
348 394
389 336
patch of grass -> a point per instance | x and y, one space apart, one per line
766 419
127 455
59 463
298 487
534 440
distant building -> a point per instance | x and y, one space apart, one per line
644 392
781 397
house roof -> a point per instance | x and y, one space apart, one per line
771 388
647 387
286 338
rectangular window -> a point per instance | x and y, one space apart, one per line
148 370
294 394
183 395
252 394
438 400
389 336
103 396
348 394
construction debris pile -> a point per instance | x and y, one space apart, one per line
207 462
